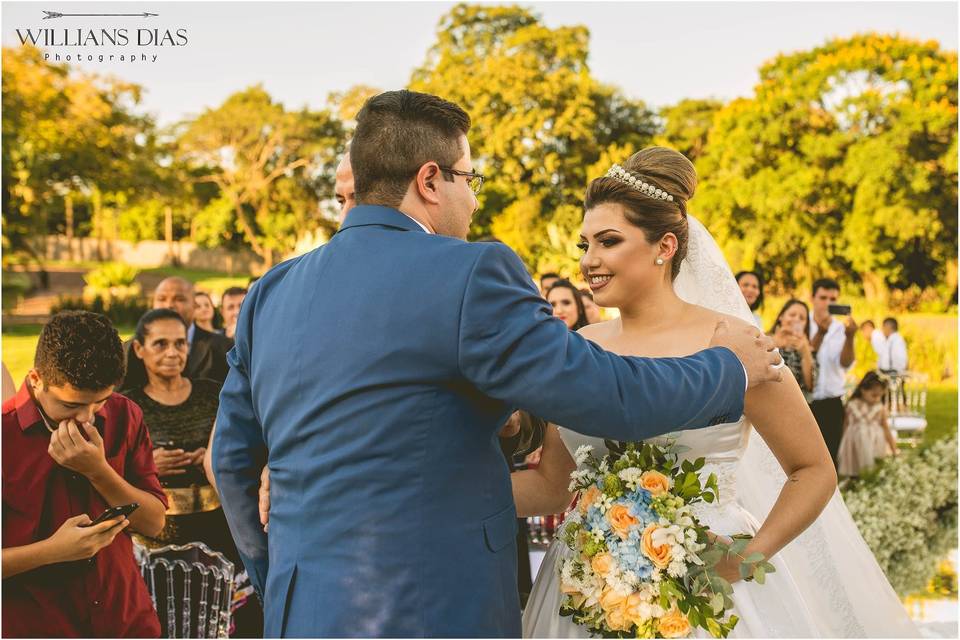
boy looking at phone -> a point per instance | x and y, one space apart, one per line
72 449
832 341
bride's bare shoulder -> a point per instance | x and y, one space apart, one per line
599 330
709 318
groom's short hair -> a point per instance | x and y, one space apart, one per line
397 132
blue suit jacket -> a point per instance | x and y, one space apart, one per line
377 371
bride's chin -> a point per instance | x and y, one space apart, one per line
604 299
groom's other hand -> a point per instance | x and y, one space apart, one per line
263 503
754 350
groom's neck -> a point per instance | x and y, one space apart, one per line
413 207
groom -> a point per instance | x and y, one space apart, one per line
373 375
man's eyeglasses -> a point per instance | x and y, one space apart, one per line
474 180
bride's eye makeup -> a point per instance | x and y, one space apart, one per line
609 241
583 246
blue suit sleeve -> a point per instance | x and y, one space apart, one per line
239 454
512 349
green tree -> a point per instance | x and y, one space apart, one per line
686 125
67 138
542 125
844 163
271 167
346 104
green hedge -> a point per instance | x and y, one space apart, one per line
15 287
121 311
906 510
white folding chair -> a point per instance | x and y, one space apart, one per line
907 405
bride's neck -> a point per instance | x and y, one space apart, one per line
658 307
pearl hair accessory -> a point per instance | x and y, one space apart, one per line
621 174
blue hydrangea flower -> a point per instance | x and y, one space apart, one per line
628 555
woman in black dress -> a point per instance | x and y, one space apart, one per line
179 414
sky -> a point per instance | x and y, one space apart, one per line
300 52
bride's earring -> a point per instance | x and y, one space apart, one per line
659 260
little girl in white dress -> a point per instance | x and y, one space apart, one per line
866 428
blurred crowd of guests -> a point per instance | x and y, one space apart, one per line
817 344
169 376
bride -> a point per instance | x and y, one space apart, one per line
645 255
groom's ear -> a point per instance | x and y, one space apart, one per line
427 182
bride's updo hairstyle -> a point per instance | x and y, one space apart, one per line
660 168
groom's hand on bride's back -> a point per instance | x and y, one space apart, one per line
753 348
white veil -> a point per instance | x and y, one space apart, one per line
843 586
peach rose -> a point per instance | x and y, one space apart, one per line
616 620
655 482
659 555
610 599
621 520
632 609
612 604
674 624
587 498
602 563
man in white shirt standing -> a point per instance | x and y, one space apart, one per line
832 341
891 348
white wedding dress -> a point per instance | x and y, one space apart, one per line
827 582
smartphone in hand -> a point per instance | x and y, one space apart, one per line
839 309
115 512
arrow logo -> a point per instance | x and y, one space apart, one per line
57 14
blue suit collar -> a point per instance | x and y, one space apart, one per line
364 215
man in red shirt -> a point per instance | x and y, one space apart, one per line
71 449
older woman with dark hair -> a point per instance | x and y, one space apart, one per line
179 413
567 304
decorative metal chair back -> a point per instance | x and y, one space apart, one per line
191 587
907 405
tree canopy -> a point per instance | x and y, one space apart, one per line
842 161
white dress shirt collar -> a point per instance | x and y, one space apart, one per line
422 226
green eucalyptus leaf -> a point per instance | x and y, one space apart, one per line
760 575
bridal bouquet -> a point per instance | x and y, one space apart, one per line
641 566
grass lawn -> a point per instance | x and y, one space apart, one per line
941 412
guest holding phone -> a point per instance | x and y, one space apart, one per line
789 333
180 414
71 449
832 341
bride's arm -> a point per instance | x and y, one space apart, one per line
543 491
781 416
